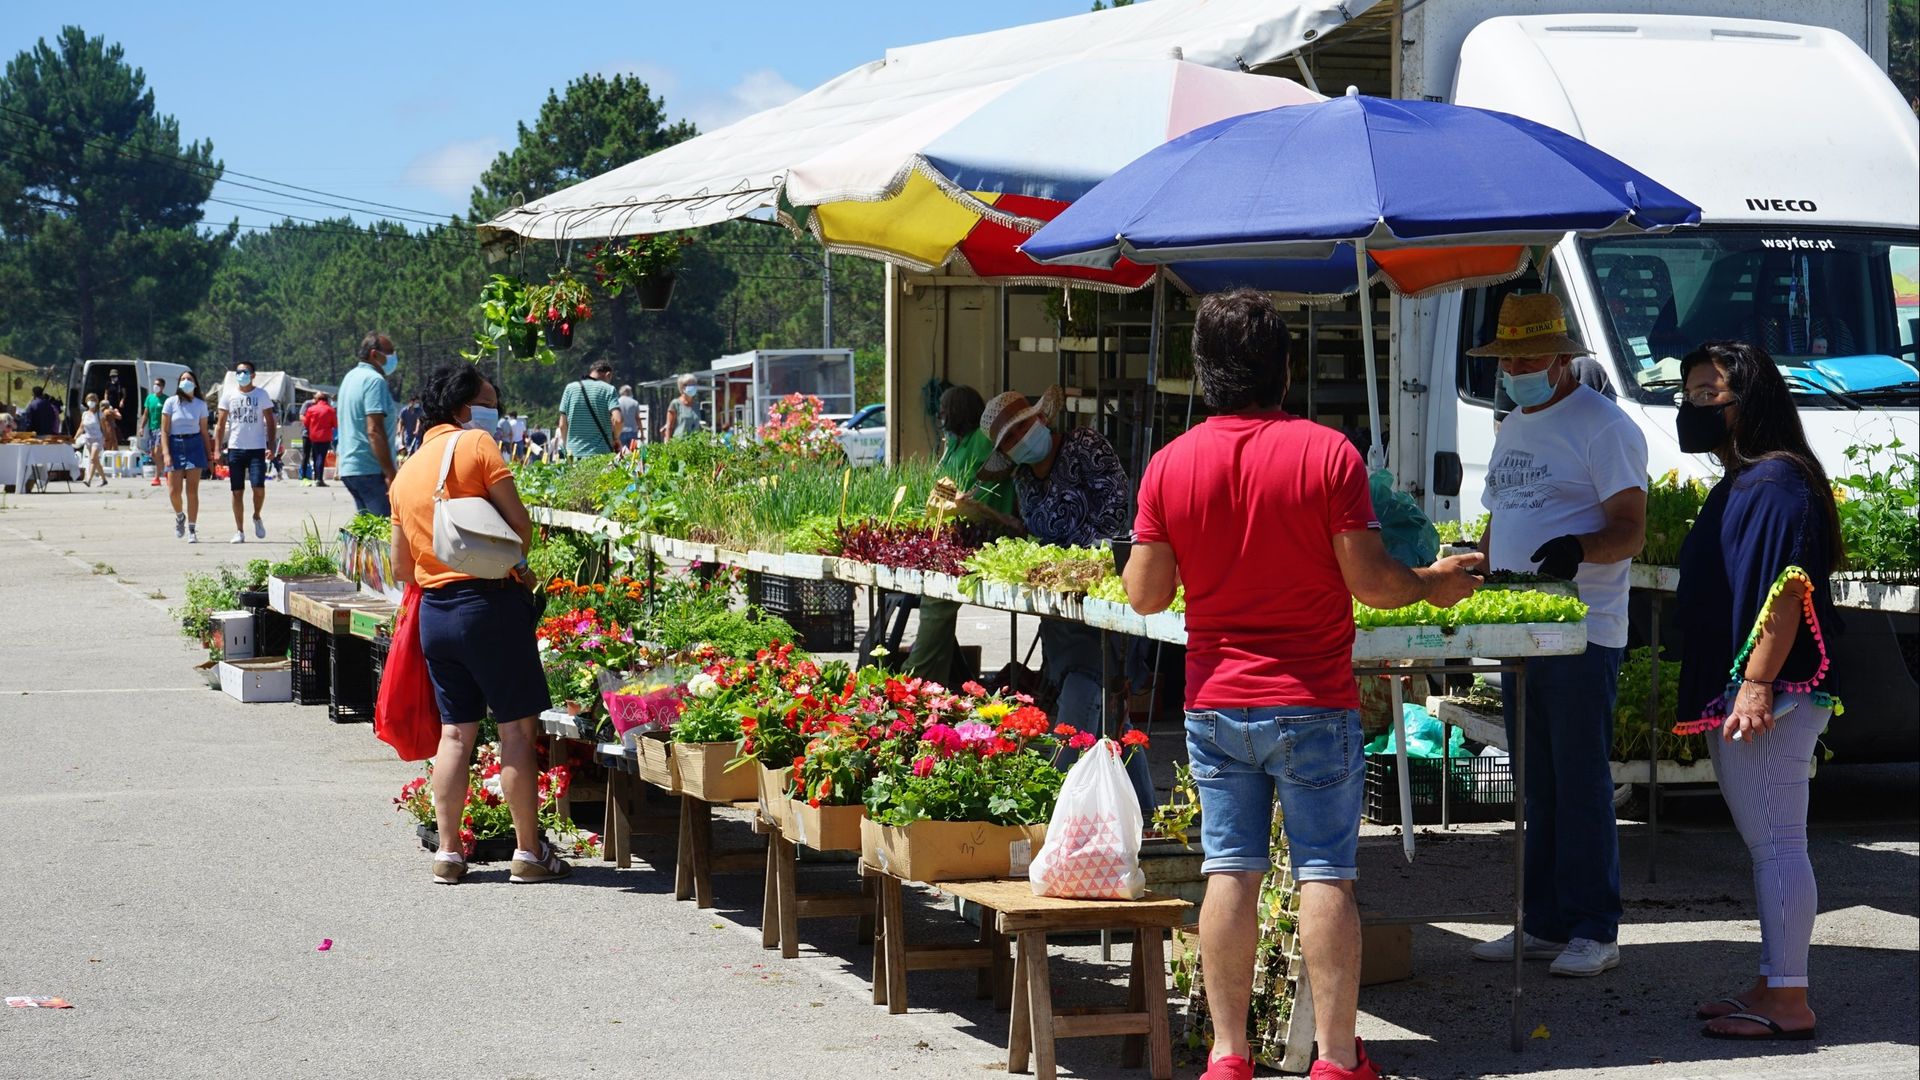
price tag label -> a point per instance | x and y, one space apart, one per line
1019 857
1546 640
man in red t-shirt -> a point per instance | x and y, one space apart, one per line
1268 522
321 421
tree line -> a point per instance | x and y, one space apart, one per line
110 246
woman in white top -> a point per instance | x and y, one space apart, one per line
186 446
91 440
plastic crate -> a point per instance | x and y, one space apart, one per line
312 663
271 631
1482 789
831 632
351 678
792 598
377 660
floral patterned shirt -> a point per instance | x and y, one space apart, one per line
1083 500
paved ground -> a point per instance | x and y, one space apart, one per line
176 856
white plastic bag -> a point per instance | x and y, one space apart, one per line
1092 851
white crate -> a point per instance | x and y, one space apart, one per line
278 588
257 680
234 630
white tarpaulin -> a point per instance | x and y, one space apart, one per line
735 170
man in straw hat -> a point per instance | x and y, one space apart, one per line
1567 488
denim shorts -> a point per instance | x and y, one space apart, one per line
477 637
1312 756
245 466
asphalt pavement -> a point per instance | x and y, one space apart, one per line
177 858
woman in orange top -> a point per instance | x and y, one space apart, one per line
476 634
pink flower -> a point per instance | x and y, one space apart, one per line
973 731
1082 740
923 767
944 739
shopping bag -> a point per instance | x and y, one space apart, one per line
406 717
1092 850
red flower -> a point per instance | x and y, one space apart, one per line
1082 740
1064 731
1135 737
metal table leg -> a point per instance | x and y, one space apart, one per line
1653 737
1519 760
1406 773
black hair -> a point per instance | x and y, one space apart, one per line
39 391
370 344
599 366
251 366
1240 346
188 373
960 408
1765 425
450 387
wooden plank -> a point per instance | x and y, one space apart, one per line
1100 916
832 906
736 862
1033 945
894 920
1070 1024
1020 1025
1153 968
1133 1048
788 900
958 956
770 900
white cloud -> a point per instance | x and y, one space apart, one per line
757 90
453 168
661 80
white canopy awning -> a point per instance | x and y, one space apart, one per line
736 170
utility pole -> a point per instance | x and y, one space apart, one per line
826 299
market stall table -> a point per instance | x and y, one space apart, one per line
17 460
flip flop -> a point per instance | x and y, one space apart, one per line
1702 1013
1774 1033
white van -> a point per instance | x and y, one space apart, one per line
96 376
1806 164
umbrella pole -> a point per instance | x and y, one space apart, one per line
1376 453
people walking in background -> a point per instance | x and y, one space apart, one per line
1272 704
246 429
118 396
109 426
186 448
1755 566
150 440
683 412
629 417
1567 488
369 426
410 425
92 438
519 436
477 635
590 413
320 419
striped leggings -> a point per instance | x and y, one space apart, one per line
1764 780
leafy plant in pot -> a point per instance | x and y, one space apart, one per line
508 319
645 264
559 304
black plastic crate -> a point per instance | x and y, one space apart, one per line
351 680
1482 789
831 632
312 663
271 632
792 598
377 660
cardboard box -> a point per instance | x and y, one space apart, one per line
334 614
934 851
825 828
234 631
1386 953
257 680
773 796
704 773
280 590
368 621
654 756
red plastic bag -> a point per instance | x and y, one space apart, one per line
406 717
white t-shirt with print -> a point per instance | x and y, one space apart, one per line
247 412
1550 472
185 416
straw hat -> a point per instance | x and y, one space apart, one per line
1531 325
1002 413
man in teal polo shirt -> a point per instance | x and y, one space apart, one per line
590 413
369 425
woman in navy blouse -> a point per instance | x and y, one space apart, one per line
1756 614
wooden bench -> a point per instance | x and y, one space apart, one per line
893 956
1018 914
783 905
696 862
628 810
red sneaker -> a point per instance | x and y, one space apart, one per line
1363 1069
1228 1068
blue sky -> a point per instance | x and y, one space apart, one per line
404 102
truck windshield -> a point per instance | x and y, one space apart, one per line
1837 310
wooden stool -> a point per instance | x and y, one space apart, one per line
628 810
783 905
1027 918
696 863
893 957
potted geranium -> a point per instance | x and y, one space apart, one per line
646 264
561 303
486 824
708 735
873 721
775 729
507 320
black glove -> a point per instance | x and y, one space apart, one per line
1561 557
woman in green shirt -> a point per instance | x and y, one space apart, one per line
935 647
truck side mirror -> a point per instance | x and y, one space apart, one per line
1446 474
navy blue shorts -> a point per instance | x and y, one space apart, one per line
244 466
481 654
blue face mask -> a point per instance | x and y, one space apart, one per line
244 378
483 418
1527 391
393 363
1033 447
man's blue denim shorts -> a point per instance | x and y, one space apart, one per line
1313 756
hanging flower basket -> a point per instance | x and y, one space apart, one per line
559 335
654 291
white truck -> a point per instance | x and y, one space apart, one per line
1806 164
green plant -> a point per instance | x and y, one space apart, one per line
619 266
564 300
1016 560
1489 606
370 528
312 556
207 593
507 320
1462 532
1672 506
1631 730
1879 518
1176 817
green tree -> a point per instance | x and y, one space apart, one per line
100 208
596 125
1903 49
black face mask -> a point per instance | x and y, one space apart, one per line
1701 428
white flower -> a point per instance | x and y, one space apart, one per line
492 785
703 685
545 645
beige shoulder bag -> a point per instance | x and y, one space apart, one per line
469 535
